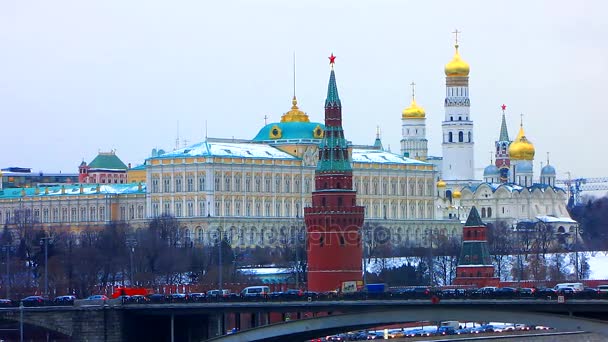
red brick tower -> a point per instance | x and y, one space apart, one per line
475 266
333 223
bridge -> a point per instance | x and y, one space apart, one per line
114 321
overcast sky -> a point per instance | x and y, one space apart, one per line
79 76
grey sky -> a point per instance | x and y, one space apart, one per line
80 76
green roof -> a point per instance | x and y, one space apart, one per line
290 130
474 253
73 190
474 220
107 160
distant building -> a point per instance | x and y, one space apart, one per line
106 168
20 177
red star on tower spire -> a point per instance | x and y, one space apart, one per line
504 107
332 59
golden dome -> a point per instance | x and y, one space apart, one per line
457 67
441 184
456 194
295 114
521 148
414 111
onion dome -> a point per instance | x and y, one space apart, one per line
456 194
491 171
521 148
457 66
524 167
295 114
414 111
548 170
441 184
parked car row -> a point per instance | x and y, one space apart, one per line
426 332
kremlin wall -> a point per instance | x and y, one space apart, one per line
260 191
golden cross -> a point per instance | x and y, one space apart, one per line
521 123
413 86
456 32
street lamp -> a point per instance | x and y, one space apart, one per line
131 243
45 241
219 262
8 248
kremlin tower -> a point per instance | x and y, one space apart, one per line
414 143
457 144
333 223
498 172
474 265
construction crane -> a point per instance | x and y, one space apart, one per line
577 185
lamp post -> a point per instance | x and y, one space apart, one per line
45 241
131 243
219 262
8 248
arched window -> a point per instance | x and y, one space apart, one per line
450 137
460 136
483 212
470 136
489 212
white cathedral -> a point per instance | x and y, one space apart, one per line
509 190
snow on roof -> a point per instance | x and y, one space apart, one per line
382 157
74 189
265 270
222 149
555 219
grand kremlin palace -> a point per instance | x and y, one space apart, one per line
253 191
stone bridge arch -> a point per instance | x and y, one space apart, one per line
320 326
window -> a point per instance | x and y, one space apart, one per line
140 212
155 185
450 138
460 136
178 209
167 185
217 182
237 184
155 210
201 208
201 182
278 210
483 212
258 184
489 212
102 213
267 183
190 184
190 208
227 182
247 183
287 185
131 212
470 136
166 208
123 213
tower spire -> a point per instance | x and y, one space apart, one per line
504 133
332 100
413 91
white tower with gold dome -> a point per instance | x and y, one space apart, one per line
413 130
458 164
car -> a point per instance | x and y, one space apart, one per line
97 297
446 331
197 297
218 293
506 292
67 299
527 291
138 299
463 331
157 298
6 302
603 289
522 327
34 301
545 293
178 297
